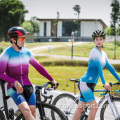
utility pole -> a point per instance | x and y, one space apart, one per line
78 25
72 38
57 25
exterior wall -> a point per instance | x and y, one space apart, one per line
48 32
99 26
48 28
59 30
41 28
87 28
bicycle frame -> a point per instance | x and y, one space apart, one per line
5 98
109 98
38 101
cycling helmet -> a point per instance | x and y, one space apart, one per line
16 31
98 33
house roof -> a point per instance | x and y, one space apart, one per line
71 19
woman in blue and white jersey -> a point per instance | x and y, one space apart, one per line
97 61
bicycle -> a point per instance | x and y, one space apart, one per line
68 104
44 111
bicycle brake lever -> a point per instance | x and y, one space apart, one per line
52 85
110 83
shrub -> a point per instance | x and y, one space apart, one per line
1 50
118 43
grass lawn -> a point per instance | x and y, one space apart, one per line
33 45
83 50
62 74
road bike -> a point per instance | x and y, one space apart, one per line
44 111
110 109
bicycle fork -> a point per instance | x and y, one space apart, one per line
112 105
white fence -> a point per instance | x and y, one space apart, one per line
112 38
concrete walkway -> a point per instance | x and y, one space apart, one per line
49 47
112 61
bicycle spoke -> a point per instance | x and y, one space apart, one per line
66 103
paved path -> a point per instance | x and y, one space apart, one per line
49 47
112 61
11 104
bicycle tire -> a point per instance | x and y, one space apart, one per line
83 116
64 102
106 113
2 116
51 113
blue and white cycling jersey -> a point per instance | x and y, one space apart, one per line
97 61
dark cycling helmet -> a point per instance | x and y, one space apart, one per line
16 31
98 33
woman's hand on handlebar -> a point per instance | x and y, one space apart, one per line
18 87
107 86
55 83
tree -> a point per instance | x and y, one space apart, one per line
115 16
109 31
12 13
35 25
27 26
31 25
77 8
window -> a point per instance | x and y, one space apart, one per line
68 27
45 28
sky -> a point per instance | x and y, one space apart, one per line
90 9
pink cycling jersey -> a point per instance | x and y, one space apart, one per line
14 66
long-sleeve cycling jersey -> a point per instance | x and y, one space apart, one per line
14 66
97 61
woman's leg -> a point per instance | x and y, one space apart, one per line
93 110
79 110
25 109
33 110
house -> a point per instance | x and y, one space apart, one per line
60 29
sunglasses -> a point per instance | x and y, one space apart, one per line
21 38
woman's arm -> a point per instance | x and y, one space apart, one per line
111 69
40 68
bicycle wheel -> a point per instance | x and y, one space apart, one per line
51 113
106 113
2 117
83 116
67 103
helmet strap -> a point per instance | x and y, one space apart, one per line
17 45
100 46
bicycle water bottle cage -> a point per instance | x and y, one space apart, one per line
117 91
102 94
11 114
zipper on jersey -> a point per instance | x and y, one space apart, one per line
21 68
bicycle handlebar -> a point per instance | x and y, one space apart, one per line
43 90
45 85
